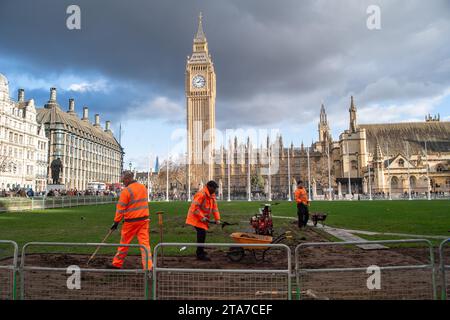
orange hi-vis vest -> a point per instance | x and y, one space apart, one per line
133 203
202 206
301 196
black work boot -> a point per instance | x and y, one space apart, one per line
203 257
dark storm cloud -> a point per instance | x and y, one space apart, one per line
273 59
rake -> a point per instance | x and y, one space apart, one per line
98 248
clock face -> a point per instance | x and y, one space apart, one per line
198 81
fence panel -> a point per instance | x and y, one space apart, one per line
52 276
191 281
8 267
349 272
444 258
39 203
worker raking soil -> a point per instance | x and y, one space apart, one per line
203 205
132 207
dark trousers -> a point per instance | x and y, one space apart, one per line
303 214
201 238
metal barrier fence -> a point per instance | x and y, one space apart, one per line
38 282
220 284
444 267
39 203
406 281
8 271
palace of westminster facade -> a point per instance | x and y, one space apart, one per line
389 158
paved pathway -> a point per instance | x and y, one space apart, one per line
344 235
372 233
341 234
349 235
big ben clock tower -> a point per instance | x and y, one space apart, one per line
200 89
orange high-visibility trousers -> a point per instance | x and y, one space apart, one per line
129 231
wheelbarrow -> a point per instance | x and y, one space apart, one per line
236 254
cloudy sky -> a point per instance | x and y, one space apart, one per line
276 62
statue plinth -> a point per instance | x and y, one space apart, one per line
59 187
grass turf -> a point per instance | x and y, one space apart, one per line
91 223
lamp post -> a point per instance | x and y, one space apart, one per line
289 175
389 172
249 189
167 178
309 174
329 173
409 175
228 170
357 169
149 188
370 181
428 173
270 173
189 177
349 169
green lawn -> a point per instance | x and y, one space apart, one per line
91 223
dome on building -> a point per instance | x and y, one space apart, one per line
4 88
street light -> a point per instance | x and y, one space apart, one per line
370 179
357 170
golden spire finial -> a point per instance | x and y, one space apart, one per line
200 34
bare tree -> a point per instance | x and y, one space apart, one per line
177 176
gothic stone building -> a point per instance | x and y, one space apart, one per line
405 157
380 158
88 152
398 158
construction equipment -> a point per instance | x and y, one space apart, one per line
318 216
98 248
262 222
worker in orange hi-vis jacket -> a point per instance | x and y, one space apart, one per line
203 205
301 197
132 207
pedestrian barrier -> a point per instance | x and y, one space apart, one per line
8 267
40 203
239 283
364 274
444 259
52 275
68 277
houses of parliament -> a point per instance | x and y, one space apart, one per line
389 158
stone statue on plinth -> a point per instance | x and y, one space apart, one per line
56 168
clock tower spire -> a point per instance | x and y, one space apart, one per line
200 89
200 36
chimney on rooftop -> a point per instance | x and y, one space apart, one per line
21 95
85 113
52 94
97 120
71 105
